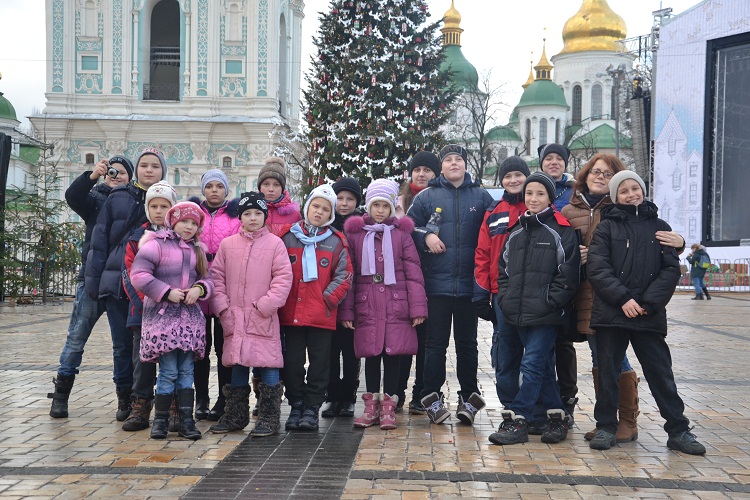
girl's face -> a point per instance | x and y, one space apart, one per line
186 229
157 210
513 182
421 176
215 194
346 202
319 212
554 166
536 197
252 220
149 171
121 179
597 180
271 189
629 192
379 211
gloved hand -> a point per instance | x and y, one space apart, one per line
485 311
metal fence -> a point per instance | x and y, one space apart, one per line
723 276
40 279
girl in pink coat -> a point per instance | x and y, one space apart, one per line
387 301
170 269
253 277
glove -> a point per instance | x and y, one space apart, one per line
485 311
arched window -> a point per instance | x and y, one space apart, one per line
543 131
89 158
234 22
226 162
558 132
163 83
596 101
527 138
577 103
89 19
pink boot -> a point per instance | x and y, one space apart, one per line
388 412
371 414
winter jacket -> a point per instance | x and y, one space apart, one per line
315 303
120 216
86 198
696 271
584 218
340 220
563 191
252 278
165 262
382 314
450 273
540 268
625 262
282 213
135 308
498 219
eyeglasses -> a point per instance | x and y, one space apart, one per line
596 173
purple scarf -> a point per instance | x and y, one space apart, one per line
368 252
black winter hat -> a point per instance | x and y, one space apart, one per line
452 149
125 163
546 149
543 179
513 164
253 199
425 159
349 184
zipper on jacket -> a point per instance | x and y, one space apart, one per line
523 276
627 243
457 242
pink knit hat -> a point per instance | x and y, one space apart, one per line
185 210
382 190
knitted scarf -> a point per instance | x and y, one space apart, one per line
368 252
309 261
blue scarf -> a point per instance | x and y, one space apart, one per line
309 260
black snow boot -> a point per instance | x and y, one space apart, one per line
59 398
185 400
160 427
123 402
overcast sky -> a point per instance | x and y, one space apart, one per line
499 36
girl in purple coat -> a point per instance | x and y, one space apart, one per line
171 270
387 301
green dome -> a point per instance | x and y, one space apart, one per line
503 133
513 120
543 93
465 76
602 137
7 111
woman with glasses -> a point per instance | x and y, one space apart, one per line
591 195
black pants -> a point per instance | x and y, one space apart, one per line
391 366
144 374
306 343
343 387
567 368
652 351
405 368
203 366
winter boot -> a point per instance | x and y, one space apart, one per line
371 414
627 427
388 412
269 410
698 296
237 410
595 372
255 381
185 400
63 385
160 427
570 406
218 410
705 292
295 416
174 416
201 407
513 429
140 411
123 402
310 420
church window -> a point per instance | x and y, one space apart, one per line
234 23
543 131
90 64
233 67
89 158
577 104
527 137
558 131
163 82
226 162
596 101
89 19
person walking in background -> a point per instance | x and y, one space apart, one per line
699 262
387 300
448 267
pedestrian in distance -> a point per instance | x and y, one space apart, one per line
699 262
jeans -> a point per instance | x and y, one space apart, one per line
86 312
652 351
144 373
536 364
700 286
175 372
405 368
122 341
241 375
461 311
624 366
314 345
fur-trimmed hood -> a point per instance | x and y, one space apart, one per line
230 208
164 234
285 206
356 224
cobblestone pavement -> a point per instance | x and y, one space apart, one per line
89 455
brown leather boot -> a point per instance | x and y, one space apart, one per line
627 427
595 372
140 412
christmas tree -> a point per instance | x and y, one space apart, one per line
376 94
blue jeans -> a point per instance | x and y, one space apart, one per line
241 375
122 341
175 372
86 312
538 391
624 366
698 285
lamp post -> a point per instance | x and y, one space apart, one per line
617 74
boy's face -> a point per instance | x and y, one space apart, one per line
319 212
215 193
453 167
554 166
252 220
186 229
421 176
149 170
346 202
513 182
629 192
121 179
379 211
536 197
271 189
157 210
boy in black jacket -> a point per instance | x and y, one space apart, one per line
634 277
538 278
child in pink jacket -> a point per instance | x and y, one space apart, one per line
253 276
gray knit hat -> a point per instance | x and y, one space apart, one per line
159 155
215 175
620 176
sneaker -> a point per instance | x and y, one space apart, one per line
468 409
603 440
330 409
686 443
416 408
558 427
539 426
295 415
309 420
570 406
512 430
435 408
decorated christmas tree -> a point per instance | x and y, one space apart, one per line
376 94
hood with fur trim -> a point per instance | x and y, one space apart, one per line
356 224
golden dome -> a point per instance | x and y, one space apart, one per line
594 27
543 67
530 79
451 27
452 19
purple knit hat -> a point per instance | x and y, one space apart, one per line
382 190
